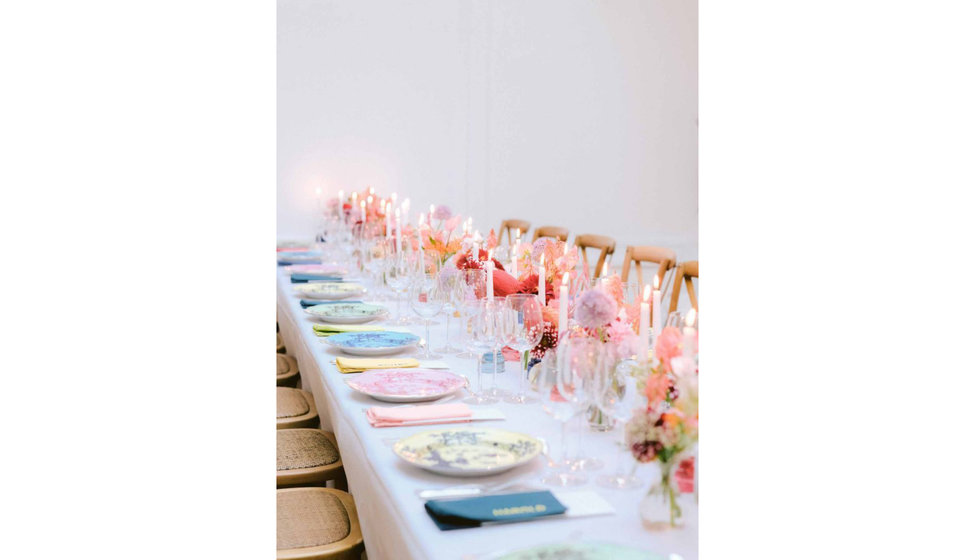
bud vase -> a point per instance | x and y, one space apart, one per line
660 509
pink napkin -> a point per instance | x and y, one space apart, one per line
385 417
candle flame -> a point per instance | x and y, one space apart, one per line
432 209
564 279
370 199
542 260
656 281
362 204
691 316
394 197
371 190
646 293
605 269
319 191
398 213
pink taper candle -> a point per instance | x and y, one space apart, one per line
563 306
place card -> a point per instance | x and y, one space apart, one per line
499 508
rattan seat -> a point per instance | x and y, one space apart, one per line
295 408
307 457
287 370
316 524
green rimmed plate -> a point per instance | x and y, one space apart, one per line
329 290
468 451
347 313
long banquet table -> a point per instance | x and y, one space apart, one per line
393 519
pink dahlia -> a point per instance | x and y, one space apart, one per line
595 308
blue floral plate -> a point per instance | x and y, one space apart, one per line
374 343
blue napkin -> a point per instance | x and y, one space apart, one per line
311 302
474 512
300 278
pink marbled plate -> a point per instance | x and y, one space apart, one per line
406 385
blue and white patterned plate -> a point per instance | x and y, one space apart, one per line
374 343
580 551
347 313
468 451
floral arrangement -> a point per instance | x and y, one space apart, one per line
668 426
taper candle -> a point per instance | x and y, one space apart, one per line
657 324
542 292
398 232
689 334
489 267
563 306
644 331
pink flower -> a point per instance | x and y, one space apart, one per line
453 222
669 344
594 309
442 212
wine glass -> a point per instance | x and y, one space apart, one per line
586 359
499 317
472 287
619 398
450 280
428 298
524 327
398 268
551 384
480 339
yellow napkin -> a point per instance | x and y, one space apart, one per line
355 365
328 330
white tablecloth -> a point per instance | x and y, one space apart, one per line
393 518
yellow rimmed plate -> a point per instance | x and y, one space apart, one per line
468 451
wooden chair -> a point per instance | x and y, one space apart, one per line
317 524
605 244
295 409
308 457
666 260
287 370
280 347
685 272
557 232
507 225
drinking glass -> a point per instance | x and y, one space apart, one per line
619 397
481 338
397 271
428 298
499 318
559 399
587 358
450 280
470 289
524 326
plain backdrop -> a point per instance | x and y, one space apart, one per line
578 113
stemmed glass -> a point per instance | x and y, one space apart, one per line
560 400
524 326
428 298
618 398
481 338
499 312
470 289
451 281
398 270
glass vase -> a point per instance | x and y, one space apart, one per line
660 508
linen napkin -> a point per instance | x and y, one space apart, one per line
330 330
389 416
474 512
311 302
355 365
302 278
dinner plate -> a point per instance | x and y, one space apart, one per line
373 343
324 269
579 551
468 451
406 385
329 290
299 256
347 313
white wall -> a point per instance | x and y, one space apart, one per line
581 113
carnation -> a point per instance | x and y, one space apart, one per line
594 309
